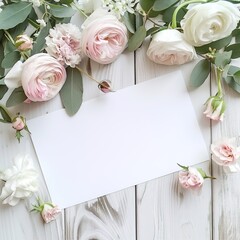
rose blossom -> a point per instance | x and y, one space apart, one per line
24 43
63 43
104 37
41 77
49 212
225 152
18 123
20 181
204 23
169 48
215 108
191 178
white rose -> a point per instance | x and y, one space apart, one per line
20 181
169 48
205 23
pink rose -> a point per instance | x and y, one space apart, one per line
104 37
24 43
49 212
63 43
225 152
18 123
168 47
191 178
215 108
42 77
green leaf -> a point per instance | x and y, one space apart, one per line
40 42
146 4
232 81
138 21
183 167
72 91
3 90
1 59
222 59
136 40
219 44
161 5
236 77
13 14
19 29
167 15
67 2
199 73
18 96
235 48
129 21
10 59
61 11
5 114
153 30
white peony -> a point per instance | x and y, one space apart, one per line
208 22
20 181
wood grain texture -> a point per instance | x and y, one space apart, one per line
226 192
164 210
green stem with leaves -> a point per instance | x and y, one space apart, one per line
174 17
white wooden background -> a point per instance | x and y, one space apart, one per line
155 210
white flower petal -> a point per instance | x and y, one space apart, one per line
13 77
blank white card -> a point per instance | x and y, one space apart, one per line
118 140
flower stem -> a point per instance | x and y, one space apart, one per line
84 72
174 17
9 37
219 78
80 10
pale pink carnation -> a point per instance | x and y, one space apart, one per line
63 43
225 152
50 212
104 37
191 178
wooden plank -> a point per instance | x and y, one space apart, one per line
226 193
164 210
111 216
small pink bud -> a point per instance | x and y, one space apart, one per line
18 123
23 43
49 212
105 86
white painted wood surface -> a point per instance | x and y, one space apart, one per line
156 210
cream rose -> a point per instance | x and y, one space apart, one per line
20 181
190 178
63 43
104 37
225 152
169 48
41 77
204 23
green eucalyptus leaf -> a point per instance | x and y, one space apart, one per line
13 14
18 96
3 90
222 59
19 29
232 81
72 91
153 30
136 40
10 59
161 5
61 11
200 73
9 47
129 21
139 20
146 4
167 15
5 115
67 2
219 44
40 42
235 48
236 77
1 59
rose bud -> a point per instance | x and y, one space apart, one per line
24 43
105 86
19 123
50 212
